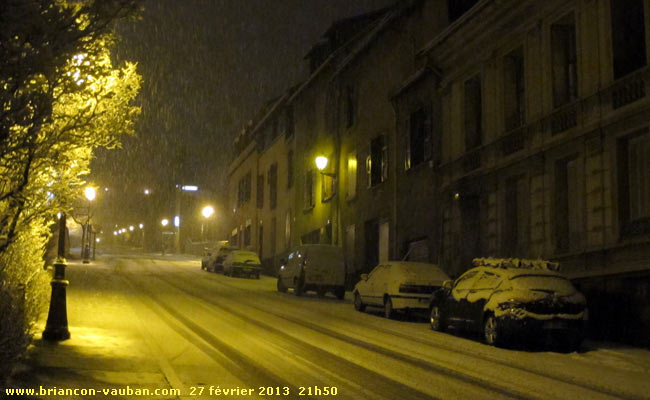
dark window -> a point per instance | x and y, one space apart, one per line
377 161
328 187
456 8
418 142
564 61
473 113
350 106
513 89
516 220
289 169
309 189
260 191
260 241
274 229
247 235
634 184
567 217
289 124
244 189
273 183
628 36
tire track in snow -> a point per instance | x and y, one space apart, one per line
375 378
586 386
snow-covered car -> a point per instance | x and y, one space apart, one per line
318 267
242 263
213 259
398 285
506 299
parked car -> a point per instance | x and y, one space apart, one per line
317 267
398 285
242 262
506 299
212 260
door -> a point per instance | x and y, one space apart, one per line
478 296
371 244
458 303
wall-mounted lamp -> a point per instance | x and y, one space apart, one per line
321 164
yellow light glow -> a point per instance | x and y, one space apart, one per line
131 228
141 226
321 162
90 193
207 211
164 222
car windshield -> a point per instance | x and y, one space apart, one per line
549 283
424 271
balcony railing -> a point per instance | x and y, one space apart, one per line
551 130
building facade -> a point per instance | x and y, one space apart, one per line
459 129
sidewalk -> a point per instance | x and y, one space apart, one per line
106 351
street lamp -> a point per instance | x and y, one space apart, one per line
207 212
90 193
164 222
321 164
56 328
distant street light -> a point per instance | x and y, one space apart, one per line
164 222
131 228
90 193
207 212
147 191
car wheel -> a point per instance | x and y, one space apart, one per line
281 287
320 291
388 308
435 319
358 304
491 330
299 287
570 343
340 292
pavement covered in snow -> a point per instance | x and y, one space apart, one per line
163 329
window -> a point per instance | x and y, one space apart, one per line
260 191
351 175
564 61
634 183
350 233
274 227
567 207
309 195
289 169
350 106
273 183
244 189
247 234
377 161
456 8
473 113
628 36
260 240
287 230
513 89
288 122
328 187
516 220
418 142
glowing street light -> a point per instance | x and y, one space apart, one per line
164 222
141 226
131 228
147 192
321 162
207 211
90 193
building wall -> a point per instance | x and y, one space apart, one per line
572 154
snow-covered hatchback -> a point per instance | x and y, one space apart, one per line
505 303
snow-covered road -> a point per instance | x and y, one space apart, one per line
207 331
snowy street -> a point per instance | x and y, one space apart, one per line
205 331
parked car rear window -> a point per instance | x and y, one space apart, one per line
557 284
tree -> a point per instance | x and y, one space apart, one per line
61 98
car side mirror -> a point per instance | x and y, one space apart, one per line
364 277
447 284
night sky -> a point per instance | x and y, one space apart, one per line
207 67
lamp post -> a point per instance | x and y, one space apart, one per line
90 194
207 212
164 223
321 164
56 328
